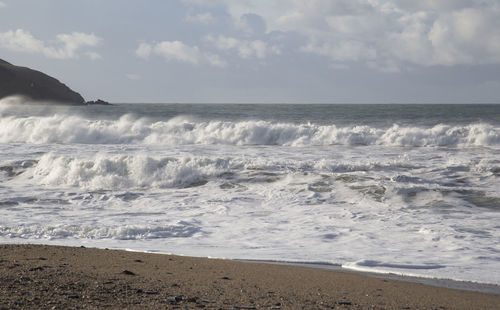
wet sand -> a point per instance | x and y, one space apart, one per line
52 277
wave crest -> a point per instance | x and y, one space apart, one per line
117 172
183 131
181 229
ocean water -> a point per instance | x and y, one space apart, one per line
405 189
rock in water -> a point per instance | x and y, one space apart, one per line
36 85
98 101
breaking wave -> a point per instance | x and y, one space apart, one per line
181 229
185 131
117 172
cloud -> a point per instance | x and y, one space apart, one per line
67 46
251 24
245 48
176 50
93 55
71 44
215 60
2 5
202 18
342 51
180 52
468 36
437 5
460 37
21 41
378 33
144 50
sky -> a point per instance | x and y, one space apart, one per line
261 51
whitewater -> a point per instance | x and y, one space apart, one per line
404 189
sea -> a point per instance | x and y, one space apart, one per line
389 188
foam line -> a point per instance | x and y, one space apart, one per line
184 131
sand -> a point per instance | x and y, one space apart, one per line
52 277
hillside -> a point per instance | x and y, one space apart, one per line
15 80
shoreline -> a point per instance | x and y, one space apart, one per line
56 277
488 288
466 285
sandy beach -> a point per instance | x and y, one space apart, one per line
53 277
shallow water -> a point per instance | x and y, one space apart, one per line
409 189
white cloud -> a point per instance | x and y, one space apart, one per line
180 52
387 33
21 41
67 46
215 60
93 55
202 18
342 51
72 43
176 50
245 48
438 5
2 5
144 50
462 36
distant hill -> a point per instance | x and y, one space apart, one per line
36 85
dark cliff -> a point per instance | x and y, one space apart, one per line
36 85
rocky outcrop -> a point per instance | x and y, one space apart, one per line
98 101
21 81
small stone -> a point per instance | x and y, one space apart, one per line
151 292
208 301
246 307
138 261
128 272
73 296
36 269
345 303
174 299
226 278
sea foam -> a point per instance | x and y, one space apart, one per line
119 172
180 130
